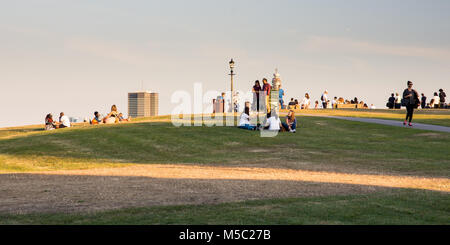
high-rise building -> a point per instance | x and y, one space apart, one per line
142 104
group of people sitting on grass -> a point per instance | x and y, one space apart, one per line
113 117
272 122
64 122
305 103
51 124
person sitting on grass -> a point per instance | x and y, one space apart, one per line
391 102
112 117
291 104
96 120
305 102
64 121
291 122
273 122
316 104
297 105
122 119
244 120
49 123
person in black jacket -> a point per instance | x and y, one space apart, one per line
442 96
411 101
424 101
391 101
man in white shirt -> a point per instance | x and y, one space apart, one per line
274 122
334 103
64 121
324 99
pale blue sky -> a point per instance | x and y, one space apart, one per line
81 56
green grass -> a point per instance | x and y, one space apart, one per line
319 144
411 207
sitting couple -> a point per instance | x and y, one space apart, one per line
113 117
273 122
51 124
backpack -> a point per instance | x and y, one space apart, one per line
321 97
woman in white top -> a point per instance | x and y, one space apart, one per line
305 102
398 101
435 101
244 120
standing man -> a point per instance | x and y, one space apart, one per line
423 100
442 96
398 101
280 97
236 101
324 99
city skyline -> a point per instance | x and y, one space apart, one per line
84 56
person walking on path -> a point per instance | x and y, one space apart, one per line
411 101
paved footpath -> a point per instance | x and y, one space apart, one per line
395 123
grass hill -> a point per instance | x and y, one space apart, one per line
320 144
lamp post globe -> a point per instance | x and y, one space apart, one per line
231 63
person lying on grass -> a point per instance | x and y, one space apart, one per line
244 120
122 119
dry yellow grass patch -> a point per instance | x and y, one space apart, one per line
239 173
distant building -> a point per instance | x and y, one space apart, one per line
143 104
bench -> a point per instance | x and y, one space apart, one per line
357 106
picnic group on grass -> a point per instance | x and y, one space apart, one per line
64 122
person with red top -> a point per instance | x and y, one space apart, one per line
50 124
266 87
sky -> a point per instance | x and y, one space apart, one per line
82 56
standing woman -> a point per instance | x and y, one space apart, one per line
256 89
411 100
